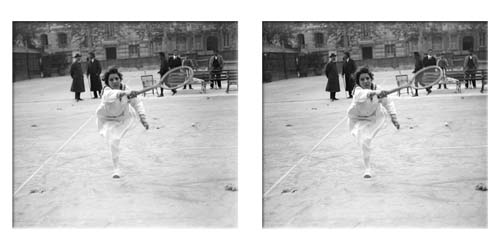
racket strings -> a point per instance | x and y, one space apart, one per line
178 77
428 76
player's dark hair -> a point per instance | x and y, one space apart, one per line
111 70
363 70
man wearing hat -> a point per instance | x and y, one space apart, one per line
76 73
348 69
332 75
470 67
94 74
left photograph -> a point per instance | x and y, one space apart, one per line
125 124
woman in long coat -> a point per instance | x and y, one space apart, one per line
332 74
76 72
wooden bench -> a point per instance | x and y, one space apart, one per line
481 74
232 79
231 76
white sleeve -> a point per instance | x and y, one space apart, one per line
388 105
138 106
361 95
110 95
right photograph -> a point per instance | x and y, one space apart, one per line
375 124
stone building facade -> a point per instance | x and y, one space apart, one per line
123 40
127 44
372 40
380 44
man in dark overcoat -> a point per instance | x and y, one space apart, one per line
215 66
429 60
470 67
163 69
76 73
173 62
348 69
332 74
94 73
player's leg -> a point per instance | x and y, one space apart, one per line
366 149
115 155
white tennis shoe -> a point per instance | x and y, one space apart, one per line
116 174
367 174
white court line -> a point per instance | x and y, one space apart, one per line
438 148
303 157
53 154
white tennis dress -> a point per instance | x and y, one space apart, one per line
114 116
367 117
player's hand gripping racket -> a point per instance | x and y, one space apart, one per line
423 79
173 79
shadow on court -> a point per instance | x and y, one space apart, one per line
174 174
424 175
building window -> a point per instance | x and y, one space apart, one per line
133 50
111 53
365 31
109 30
482 39
157 46
437 43
197 42
468 43
212 43
301 41
62 40
390 50
180 43
44 40
319 40
412 46
454 42
226 40
367 53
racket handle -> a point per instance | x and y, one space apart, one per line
142 91
396 89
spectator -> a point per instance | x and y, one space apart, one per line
429 60
348 69
173 62
93 74
443 64
332 74
215 66
190 63
76 73
418 66
163 69
470 67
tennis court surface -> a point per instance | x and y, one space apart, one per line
424 174
174 174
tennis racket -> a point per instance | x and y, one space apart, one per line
424 78
173 79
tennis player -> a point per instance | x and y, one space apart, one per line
368 113
118 112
